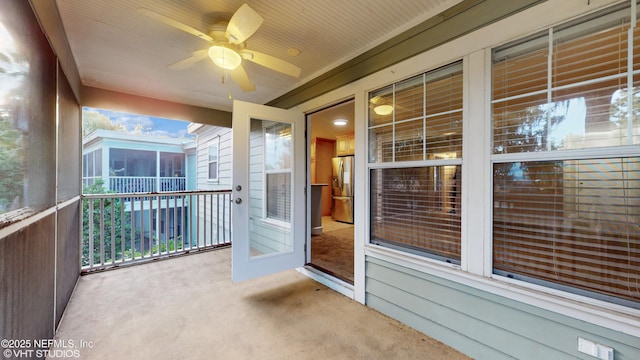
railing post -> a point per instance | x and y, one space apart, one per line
101 231
90 249
113 231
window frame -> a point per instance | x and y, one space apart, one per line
265 173
214 143
452 67
587 153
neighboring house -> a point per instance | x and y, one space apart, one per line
137 163
213 156
131 163
213 163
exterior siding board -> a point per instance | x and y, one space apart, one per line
205 135
435 330
475 319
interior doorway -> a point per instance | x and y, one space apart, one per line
331 172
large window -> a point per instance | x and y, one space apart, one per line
171 164
566 171
415 157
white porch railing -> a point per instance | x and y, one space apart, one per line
173 184
119 229
131 184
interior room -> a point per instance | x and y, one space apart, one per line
331 142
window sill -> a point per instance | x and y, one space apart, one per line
611 316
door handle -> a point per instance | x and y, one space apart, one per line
238 201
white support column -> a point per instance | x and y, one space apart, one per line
361 198
106 170
475 176
157 170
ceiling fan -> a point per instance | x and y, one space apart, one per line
228 48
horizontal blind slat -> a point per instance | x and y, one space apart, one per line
573 222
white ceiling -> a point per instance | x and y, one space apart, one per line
117 48
322 121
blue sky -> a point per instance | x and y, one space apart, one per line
151 125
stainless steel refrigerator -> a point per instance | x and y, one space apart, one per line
342 185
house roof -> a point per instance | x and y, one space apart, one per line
101 134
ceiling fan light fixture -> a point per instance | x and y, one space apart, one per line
224 57
383 109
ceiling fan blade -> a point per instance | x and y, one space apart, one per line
241 78
197 55
271 62
173 23
243 24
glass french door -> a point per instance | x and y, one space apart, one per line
268 182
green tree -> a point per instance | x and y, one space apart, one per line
13 69
93 120
113 223
11 164
619 112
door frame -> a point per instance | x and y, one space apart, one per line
355 291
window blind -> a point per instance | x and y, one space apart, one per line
417 209
567 88
279 196
569 222
573 222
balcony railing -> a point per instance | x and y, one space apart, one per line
119 229
130 184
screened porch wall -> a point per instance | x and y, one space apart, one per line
39 254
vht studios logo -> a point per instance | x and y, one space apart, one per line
41 353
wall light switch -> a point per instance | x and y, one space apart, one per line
596 350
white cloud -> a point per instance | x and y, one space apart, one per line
130 122
149 125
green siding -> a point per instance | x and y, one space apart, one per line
481 324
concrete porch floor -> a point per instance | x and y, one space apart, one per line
187 308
